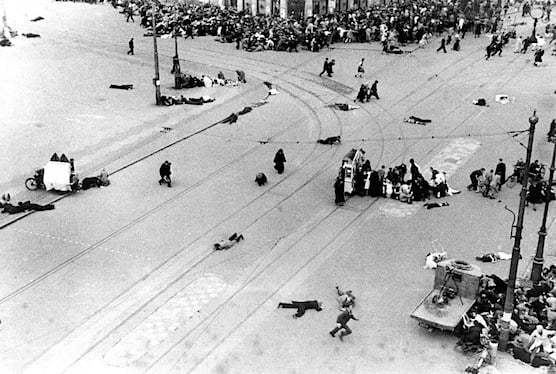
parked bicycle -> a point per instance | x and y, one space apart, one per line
537 172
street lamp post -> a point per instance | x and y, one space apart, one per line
509 301
535 13
156 80
538 260
176 69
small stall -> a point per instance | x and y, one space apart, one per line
456 287
57 176
352 161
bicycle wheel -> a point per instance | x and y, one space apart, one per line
511 182
31 184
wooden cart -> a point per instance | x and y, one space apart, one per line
456 287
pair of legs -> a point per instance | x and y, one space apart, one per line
294 305
165 179
236 237
345 330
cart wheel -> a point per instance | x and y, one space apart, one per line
31 184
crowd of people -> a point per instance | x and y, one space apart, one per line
400 183
532 324
390 24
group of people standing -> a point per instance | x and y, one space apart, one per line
488 183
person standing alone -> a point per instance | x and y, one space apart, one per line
131 46
373 91
279 160
324 67
329 70
360 69
442 46
165 173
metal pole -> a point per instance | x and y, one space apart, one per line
176 68
509 301
538 260
156 79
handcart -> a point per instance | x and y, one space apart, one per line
456 287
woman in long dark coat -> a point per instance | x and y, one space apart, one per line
375 187
279 160
339 191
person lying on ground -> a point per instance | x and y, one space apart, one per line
331 140
417 120
227 244
433 258
23 207
343 106
302 306
122 86
494 256
435 205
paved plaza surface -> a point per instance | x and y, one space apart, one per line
123 279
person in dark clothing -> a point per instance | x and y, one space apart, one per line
538 57
165 173
414 169
339 192
279 160
474 177
324 67
442 46
341 323
329 70
302 306
472 336
375 184
501 170
131 46
362 94
189 32
23 207
129 12
373 91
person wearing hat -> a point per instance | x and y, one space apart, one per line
165 173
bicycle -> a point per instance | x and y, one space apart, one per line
517 176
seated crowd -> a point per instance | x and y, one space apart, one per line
391 24
400 183
532 325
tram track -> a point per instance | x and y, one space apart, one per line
303 163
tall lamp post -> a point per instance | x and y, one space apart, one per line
509 302
536 13
176 68
538 260
156 80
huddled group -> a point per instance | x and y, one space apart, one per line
489 183
395 183
532 324
392 25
